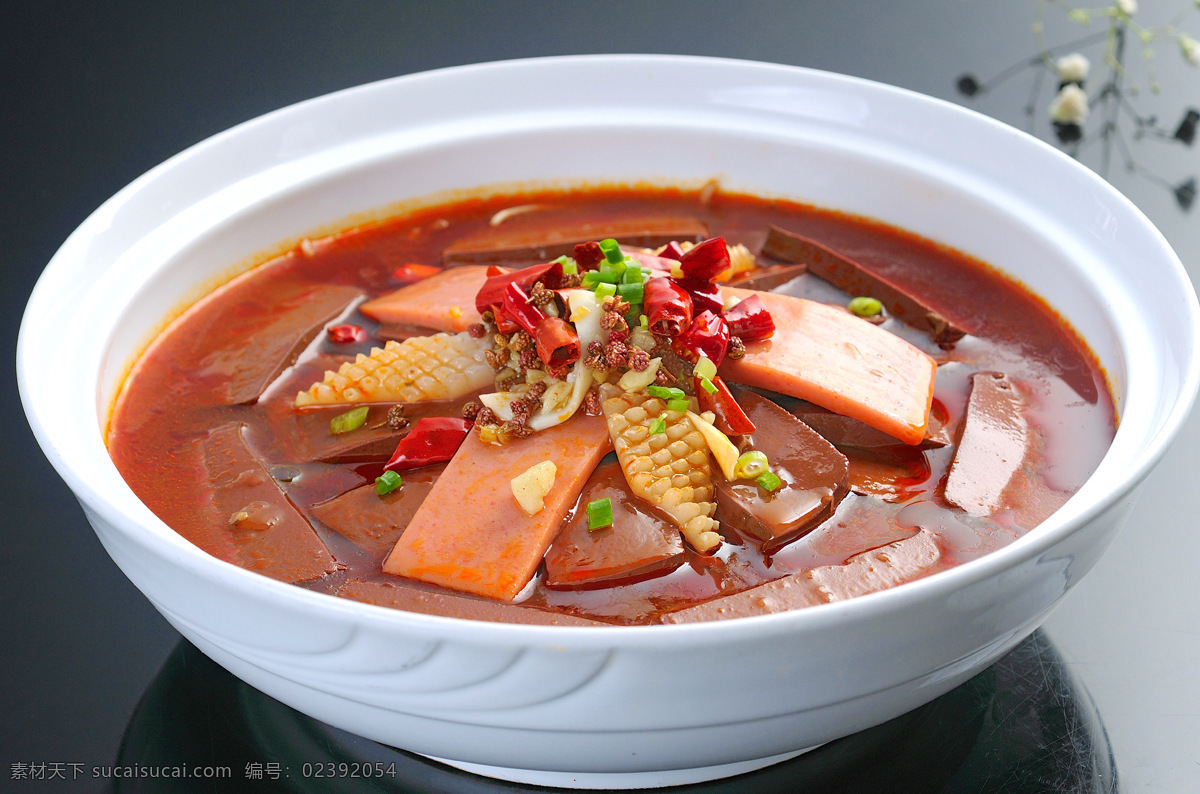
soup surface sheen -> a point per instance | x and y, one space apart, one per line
208 434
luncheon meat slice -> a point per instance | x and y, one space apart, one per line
269 535
452 605
843 431
637 545
511 244
371 521
471 535
856 279
868 572
443 302
828 356
813 474
994 440
295 312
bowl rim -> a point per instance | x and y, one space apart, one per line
229 575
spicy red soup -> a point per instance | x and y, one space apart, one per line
611 406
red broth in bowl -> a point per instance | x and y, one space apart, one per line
491 410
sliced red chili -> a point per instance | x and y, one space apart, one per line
667 306
433 439
705 260
408 273
672 250
346 334
557 342
730 418
517 308
750 320
706 296
708 335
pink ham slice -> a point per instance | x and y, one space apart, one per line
828 356
445 302
471 535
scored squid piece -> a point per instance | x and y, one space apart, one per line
868 572
669 469
857 279
471 535
638 544
813 478
442 302
269 535
511 244
438 367
828 356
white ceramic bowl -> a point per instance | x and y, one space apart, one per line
611 706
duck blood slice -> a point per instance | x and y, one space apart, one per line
434 602
445 302
303 435
866 572
845 431
857 279
638 545
994 440
269 535
814 478
517 242
892 474
373 522
251 343
768 277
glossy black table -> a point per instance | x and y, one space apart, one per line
92 680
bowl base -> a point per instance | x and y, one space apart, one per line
662 778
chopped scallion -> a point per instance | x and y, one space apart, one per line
387 482
351 420
644 322
708 385
769 482
705 368
751 465
665 392
599 513
632 275
612 250
659 425
594 277
569 266
631 292
605 290
681 404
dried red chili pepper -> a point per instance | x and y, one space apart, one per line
588 256
346 334
750 320
408 273
433 439
706 296
705 260
730 418
518 308
667 306
491 294
557 342
708 335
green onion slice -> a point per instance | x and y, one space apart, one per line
705 368
612 250
665 392
708 385
599 513
863 306
351 420
769 482
681 404
387 482
751 465
605 290
659 425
